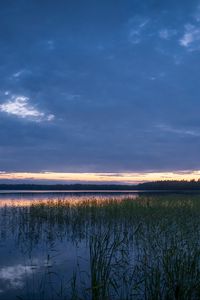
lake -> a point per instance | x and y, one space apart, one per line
99 245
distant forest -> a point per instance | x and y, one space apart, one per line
66 187
170 185
156 185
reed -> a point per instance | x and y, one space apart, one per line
143 248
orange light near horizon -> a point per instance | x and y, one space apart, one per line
66 200
123 178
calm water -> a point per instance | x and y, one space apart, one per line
35 260
50 244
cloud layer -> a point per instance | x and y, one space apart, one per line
99 86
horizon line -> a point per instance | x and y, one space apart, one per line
100 177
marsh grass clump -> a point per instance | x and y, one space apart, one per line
106 253
147 247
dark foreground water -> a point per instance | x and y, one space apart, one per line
99 246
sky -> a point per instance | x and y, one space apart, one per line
105 88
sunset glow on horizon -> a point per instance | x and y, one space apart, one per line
119 178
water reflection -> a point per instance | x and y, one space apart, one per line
23 200
13 276
99 247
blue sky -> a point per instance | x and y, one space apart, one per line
99 86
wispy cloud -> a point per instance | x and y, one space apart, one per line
19 106
157 76
137 27
20 73
191 37
72 97
167 34
197 14
50 44
17 74
168 128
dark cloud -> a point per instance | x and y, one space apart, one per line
119 77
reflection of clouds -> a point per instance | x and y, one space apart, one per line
13 276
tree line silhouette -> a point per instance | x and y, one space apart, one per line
155 185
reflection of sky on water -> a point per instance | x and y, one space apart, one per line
24 268
13 276
27 199
46 239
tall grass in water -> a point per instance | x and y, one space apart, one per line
146 248
105 254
